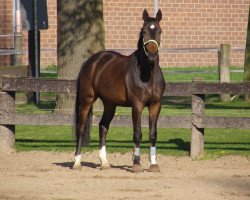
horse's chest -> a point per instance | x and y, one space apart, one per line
143 91
146 88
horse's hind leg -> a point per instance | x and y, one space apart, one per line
108 114
82 116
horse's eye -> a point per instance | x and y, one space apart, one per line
160 31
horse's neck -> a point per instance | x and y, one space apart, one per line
145 69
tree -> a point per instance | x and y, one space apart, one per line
80 34
247 57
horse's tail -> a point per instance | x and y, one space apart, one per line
87 126
86 134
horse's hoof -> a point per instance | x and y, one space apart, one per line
77 167
154 168
137 168
105 166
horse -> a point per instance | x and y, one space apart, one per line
134 81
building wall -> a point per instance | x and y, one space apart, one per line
188 26
6 40
48 37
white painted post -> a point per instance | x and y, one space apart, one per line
156 6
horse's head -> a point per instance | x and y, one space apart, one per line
151 34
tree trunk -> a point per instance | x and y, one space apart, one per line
247 58
80 34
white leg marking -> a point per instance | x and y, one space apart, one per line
137 152
78 160
153 155
102 152
103 155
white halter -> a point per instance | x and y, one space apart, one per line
145 43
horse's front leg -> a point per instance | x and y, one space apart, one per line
137 137
154 110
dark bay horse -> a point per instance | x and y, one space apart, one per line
135 81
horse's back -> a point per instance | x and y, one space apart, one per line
103 75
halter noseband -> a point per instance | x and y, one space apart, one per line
145 43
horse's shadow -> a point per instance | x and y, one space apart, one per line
122 167
83 164
92 165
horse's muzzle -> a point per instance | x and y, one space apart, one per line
151 49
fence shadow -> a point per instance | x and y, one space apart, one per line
177 102
180 144
171 144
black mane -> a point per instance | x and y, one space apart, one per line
140 41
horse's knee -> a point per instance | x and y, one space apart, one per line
87 100
103 127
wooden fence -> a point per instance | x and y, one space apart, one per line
197 122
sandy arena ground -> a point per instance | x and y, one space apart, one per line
47 175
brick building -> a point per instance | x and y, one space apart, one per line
192 29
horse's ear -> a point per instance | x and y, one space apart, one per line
145 15
159 15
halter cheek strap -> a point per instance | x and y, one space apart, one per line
145 43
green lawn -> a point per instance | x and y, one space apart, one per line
174 142
175 74
218 142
